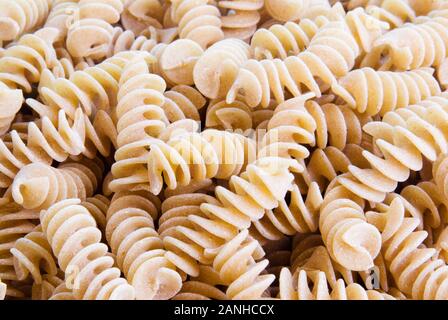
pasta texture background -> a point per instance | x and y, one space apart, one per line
224 149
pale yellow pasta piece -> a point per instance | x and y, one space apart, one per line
139 249
45 290
260 188
282 40
415 272
293 10
20 16
240 17
38 186
196 290
237 268
378 92
233 116
404 137
351 241
141 14
188 156
2 290
61 16
90 33
332 53
197 21
411 46
300 289
33 257
72 233
217 68
183 102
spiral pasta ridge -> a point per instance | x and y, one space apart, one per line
139 250
285 10
33 257
240 18
332 53
377 92
299 289
90 34
403 136
197 21
75 240
415 272
19 17
38 185
236 265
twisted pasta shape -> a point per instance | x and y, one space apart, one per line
240 18
378 92
139 250
141 14
61 17
235 263
411 46
197 239
72 233
46 289
300 215
350 239
221 115
21 66
331 54
188 156
90 34
33 257
282 40
197 21
403 137
287 10
197 290
15 223
299 289
415 272
38 185
183 102
217 68
18 17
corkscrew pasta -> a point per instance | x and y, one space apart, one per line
223 149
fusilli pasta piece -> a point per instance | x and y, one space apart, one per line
293 10
72 233
240 18
139 250
18 17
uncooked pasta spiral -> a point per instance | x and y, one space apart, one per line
91 31
396 12
33 257
415 272
351 241
228 116
217 68
38 185
46 289
298 288
282 40
236 264
188 156
139 249
263 184
21 66
61 16
176 60
183 102
300 215
198 21
240 17
404 137
141 14
197 290
293 10
324 165
72 233
18 17
377 92
15 223
332 53
411 46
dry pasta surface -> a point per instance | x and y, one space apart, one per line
223 149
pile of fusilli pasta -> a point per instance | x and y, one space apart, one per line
223 149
